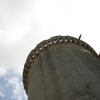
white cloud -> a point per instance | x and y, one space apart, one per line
2 91
16 84
3 71
12 79
49 18
1 94
14 19
17 93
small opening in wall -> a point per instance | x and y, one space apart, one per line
50 43
55 41
45 45
60 40
33 56
40 48
36 52
83 44
65 40
30 61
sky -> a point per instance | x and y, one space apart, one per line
25 23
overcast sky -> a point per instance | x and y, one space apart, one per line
25 23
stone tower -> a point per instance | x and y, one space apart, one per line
62 68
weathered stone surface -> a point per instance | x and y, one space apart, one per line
65 72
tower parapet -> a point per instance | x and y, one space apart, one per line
48 46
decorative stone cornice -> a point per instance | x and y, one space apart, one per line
47 44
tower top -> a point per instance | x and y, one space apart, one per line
47 45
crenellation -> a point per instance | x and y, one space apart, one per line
41 47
